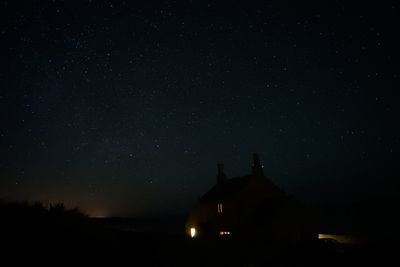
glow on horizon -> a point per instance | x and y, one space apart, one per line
98 214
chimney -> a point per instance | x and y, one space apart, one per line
257 167
221 177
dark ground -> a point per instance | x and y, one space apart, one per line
32 234
94 243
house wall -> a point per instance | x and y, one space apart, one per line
259 210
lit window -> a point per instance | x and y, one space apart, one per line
192 232
219 208
224 233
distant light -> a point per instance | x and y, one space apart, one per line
343 239
322 236
98 216
192 232
224 233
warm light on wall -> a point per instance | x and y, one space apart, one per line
224 233
192 232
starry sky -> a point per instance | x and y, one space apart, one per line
125 107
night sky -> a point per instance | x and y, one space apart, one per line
126 107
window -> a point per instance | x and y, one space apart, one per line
219 208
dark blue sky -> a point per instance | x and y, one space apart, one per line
125 108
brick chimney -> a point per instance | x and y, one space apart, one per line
257 169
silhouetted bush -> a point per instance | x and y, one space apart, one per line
33 226
12 211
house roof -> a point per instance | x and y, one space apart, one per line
226 190
231 188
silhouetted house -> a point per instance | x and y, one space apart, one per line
249 206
